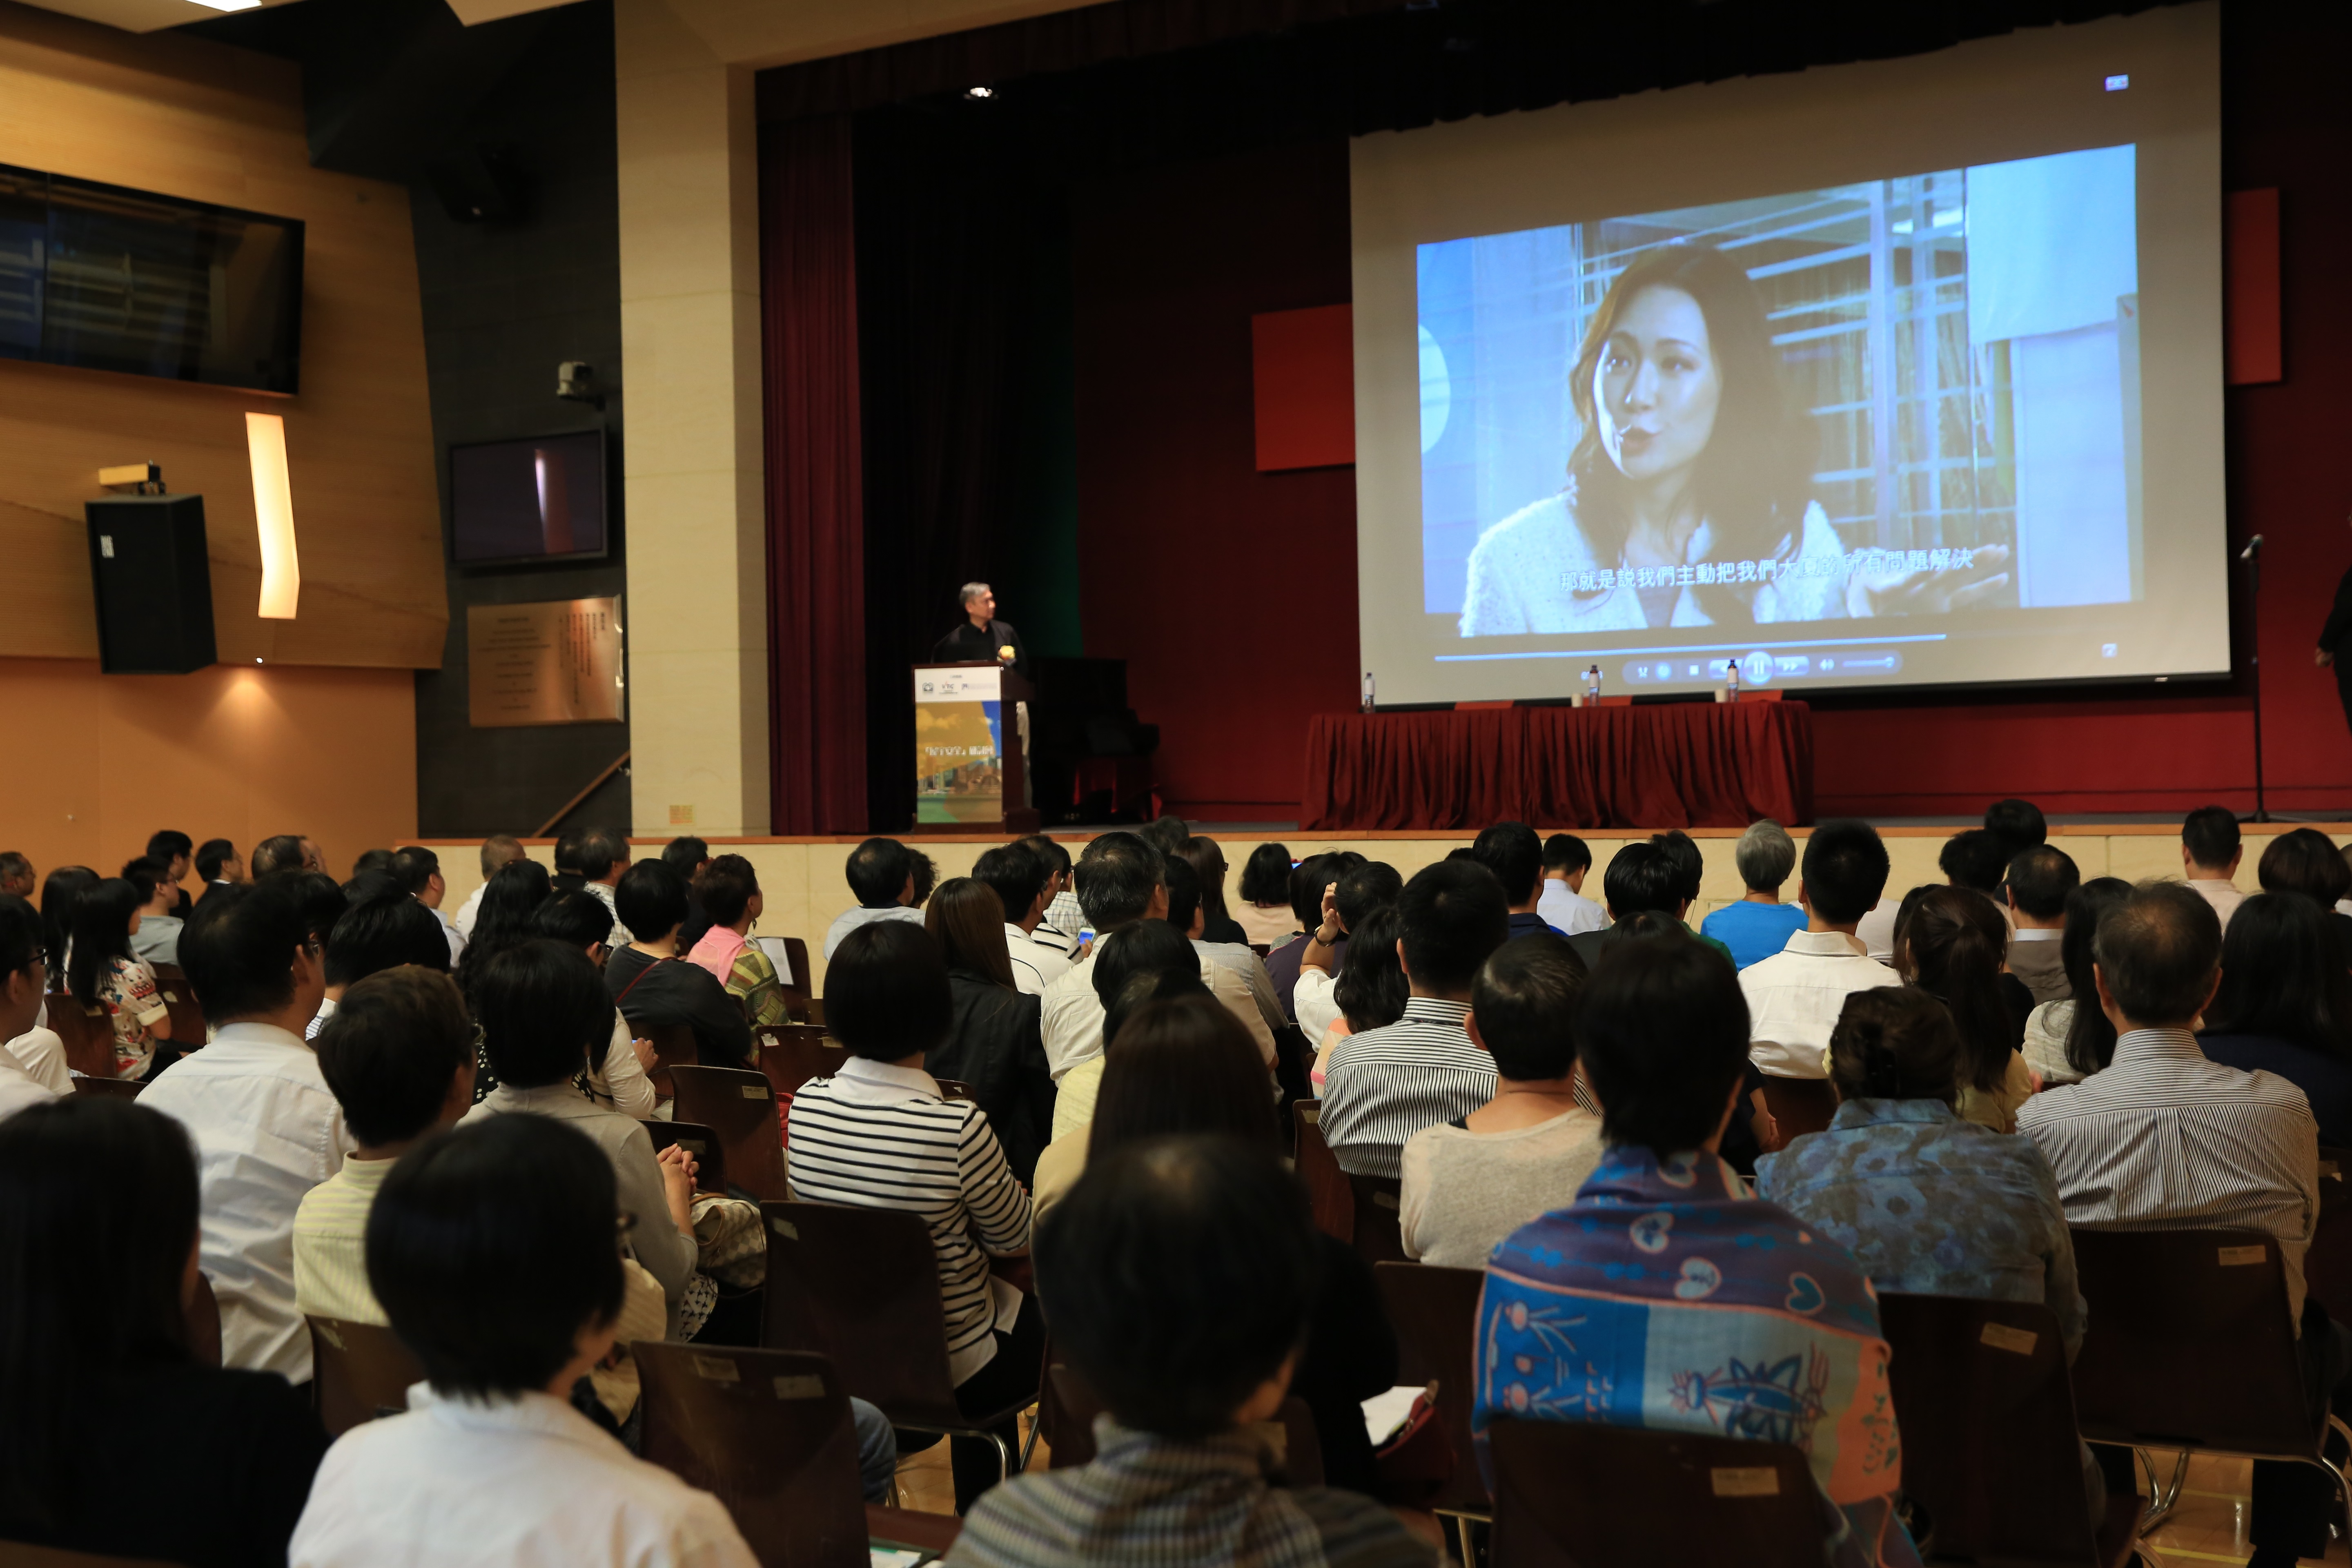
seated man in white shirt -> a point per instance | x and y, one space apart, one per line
379 931
157 940
498 849
2210 852
1058 929
1186 913
491 1250
2038 881
1794 997
1019 880
24 981
1567 861
2164 1139
418 871
881 872
266 1127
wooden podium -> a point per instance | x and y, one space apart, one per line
971 732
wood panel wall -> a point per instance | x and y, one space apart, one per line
187 117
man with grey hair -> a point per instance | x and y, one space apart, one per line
1759 925
982 636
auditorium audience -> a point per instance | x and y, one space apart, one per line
1372 990
1663 1247
498 850
889 1002
2210 852
603 857
1567 861
173 852
2164 1139
1059 927
1643 877
1473 1180
732 898
1690 871
117 1440
2038 881
1949 946
881 872
2019 824
1365 887
1309 881
1165 833
1018 876
542 1013
993 1045
322 900
1188 914
16 879
283 852
491 1250
2067 1041
566 855
1759 925
1512 851
219 864
652 987
266 1127
691 858
157 938
1384 1085
2286 1007
1152 948
1976 859
1265 912
510 901
2306 861
101 972
1793 998
24 981
375 934
1218 927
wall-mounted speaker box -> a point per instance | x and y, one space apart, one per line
153 584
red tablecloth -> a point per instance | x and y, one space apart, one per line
1687 764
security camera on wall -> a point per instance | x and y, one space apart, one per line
575 381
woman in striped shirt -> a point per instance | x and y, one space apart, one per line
880 1134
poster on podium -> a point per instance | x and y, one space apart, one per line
960 713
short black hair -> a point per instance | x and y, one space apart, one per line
1056 859
1115 875
886 993
147 874
601 848
237 949
1973 857
2040 879
1690 866
390 1049
323 900
2282 977
1308 879
381 933
491 1247
1512 851
1565 853
168 845
1642 876
1370 989
281 852
2018 824
2159 953
376 862
1183 885
1147 947
2210 833
1266 875
1374 885
211 856
877 872
685 855
1845 870
1524 1003
414 867
567 851
650 899
576 917
2305 861
1179 1274
1662 1030
544 1011
1455 915
1145 987
1015 874
727 888
21 937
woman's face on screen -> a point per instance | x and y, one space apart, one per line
1656 387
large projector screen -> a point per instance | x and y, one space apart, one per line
1906 373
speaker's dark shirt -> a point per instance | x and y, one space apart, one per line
968 642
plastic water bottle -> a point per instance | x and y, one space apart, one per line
1593 684
1731 679
1369 692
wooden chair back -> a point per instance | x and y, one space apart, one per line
1436 1314
1329 1194
180 1002
791 1054
112 1088
767 1432
1798 1106
1571 1494
740 1108
954 1089
709 1150
358 1372
86 1033
1378 1203
1294 1448
2327 1267
203 1312
674 1045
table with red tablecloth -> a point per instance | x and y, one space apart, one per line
1682 764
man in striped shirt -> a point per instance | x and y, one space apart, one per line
1381 1086
2164 1138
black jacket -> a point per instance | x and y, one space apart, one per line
998 1047
969 643
2339 617
655 991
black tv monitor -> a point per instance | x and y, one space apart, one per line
538 498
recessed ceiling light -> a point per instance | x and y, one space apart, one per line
228 4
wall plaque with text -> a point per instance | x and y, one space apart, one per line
554 663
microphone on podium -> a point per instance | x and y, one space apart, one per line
2254 548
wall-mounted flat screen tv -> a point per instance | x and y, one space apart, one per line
540 498
108 278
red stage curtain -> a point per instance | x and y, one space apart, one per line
1695 764
816 558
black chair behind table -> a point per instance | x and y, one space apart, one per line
201 1311
359 1371
1294 1449
87 1034
709 1150
1798 1106
2150 1374
1989 1447
768 1432
862 1286
674 1045
1579 1495
180 1002
112 1088
1332 1200
740 1108
1436 1313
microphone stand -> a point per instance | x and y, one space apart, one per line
2253 556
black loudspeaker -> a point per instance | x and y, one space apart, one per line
153 584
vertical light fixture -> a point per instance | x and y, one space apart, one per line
273 513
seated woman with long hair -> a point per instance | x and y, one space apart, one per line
1949 944
117 1440
996 1045
2054 1029
2286 1007
104 972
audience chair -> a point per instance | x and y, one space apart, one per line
769 1432
1293 1061
793 1054
1333 1200
862 1286
1798 1106
24 1554
1379 1236
180 1002
701 1141
2327 1267
202 1313
87 1034
954 1089
674 1045
739 1106
1436 1312
1989 1447
112 1088
359 1371
2149 1376
1293 1445
1571 1494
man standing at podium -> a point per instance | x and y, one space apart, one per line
981 635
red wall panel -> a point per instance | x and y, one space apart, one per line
1304 387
